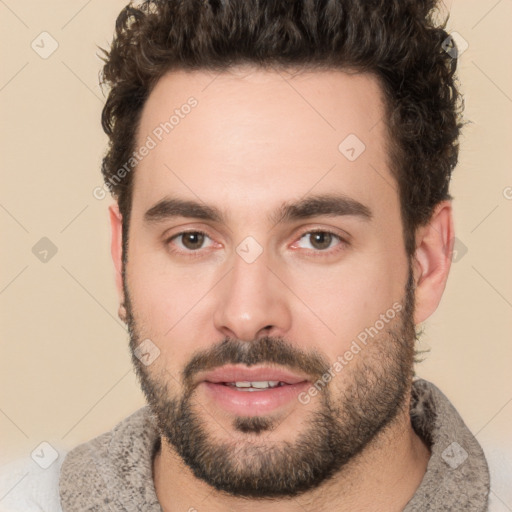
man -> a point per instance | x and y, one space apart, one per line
282 224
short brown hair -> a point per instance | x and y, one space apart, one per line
398 41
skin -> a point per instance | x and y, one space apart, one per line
256 140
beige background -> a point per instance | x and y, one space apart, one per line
65 369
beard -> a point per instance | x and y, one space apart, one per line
338 426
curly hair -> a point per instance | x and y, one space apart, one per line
398 41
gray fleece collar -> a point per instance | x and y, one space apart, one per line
457 476
113 472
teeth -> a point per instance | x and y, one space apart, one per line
242 384
265 384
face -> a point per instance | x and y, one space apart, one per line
266 248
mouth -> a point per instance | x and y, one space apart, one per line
254 386
252 391
261 377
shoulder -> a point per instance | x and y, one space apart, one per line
27 487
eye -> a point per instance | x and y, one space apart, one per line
320 240
189 241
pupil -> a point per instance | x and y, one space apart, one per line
322 240
193 240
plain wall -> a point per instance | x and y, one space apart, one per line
65 368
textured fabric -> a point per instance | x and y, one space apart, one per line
114 471
457 476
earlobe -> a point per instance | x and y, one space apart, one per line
116 248
432 260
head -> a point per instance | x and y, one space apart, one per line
290 207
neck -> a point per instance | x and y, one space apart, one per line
383 477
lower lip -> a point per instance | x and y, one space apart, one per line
253 403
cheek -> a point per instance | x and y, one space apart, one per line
158 314
346 299
159 300
166 299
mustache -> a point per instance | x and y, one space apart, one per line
268 349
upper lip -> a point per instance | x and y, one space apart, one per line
258 374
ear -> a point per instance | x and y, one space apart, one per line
116 247
432 260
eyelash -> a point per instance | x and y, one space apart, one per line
326 252
193 254
317 253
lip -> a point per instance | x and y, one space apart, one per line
252 403
245 374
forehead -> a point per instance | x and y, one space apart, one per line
256 135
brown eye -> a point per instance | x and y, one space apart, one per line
193 240
321 239
189 242
320 242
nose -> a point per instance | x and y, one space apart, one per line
252 302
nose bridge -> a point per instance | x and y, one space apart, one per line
252 300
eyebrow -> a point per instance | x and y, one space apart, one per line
333 205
